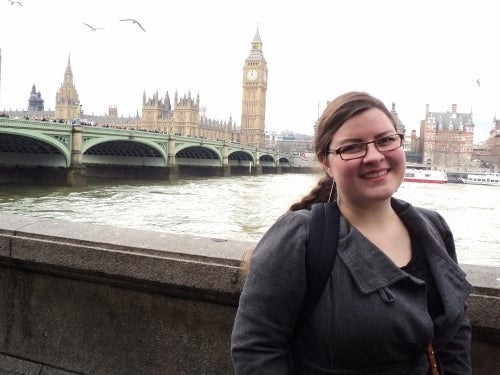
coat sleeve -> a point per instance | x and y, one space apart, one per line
271 299
454 357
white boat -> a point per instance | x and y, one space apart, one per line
431 176
482 179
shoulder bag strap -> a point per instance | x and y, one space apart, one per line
320 254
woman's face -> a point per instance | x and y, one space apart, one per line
374 177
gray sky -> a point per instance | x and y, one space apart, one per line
409 52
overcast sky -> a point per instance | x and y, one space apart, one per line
412 52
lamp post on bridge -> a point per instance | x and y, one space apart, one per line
78 109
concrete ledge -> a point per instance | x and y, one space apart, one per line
194 264
484 302
90 299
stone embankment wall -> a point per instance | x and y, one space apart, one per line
89 299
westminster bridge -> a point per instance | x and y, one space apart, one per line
55 153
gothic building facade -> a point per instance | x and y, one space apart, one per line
67 103
184 116
35 102
253 110
488 152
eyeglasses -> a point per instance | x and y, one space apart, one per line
359 150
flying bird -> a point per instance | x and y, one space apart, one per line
134 21
15 2
92 28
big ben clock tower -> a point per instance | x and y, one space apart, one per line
253 110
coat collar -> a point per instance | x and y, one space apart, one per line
371 269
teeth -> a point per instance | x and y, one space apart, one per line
375 174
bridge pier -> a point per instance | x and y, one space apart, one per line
76 176
256 171
271 170
172 173
225 171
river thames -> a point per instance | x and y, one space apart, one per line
242 208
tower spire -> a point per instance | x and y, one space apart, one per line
68 74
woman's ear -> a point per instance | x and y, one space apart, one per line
326 165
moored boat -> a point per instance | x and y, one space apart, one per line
482 179
426 176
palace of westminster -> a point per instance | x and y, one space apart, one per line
445 139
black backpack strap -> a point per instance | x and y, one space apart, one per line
320 254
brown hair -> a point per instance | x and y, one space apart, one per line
334 116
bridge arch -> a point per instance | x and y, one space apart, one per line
267 160
241 157
36 148
284 162
199 155
123 151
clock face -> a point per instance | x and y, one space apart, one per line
252 75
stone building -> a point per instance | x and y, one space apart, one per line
253 110
67 103
35 102
447 139
400 128
184 116
488 152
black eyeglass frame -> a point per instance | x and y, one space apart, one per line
339 150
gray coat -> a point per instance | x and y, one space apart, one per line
372 317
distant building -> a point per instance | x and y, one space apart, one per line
67 103
35 102
400 128
253 110
446 139
288 141
488 152
184 116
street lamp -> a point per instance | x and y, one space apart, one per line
78 108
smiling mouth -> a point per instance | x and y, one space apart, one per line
375 174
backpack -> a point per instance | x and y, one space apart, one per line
320 254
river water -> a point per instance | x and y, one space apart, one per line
242 208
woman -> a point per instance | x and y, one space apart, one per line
395 286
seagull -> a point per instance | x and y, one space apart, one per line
134 21
92 28
15 2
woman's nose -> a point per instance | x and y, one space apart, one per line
372 153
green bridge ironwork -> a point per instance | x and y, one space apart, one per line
101 145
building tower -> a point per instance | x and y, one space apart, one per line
253 110
67 103
35 102
187 115
155 111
